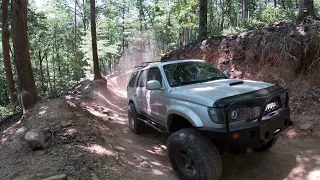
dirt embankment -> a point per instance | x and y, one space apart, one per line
278 52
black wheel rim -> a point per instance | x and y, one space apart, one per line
186 163
131 118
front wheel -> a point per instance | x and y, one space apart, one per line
193 156
135 124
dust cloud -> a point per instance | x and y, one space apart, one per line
141 48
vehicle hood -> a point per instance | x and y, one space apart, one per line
218 89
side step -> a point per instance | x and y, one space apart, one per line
154 125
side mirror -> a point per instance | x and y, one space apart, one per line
153 85
226 73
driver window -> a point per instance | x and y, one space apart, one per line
155 74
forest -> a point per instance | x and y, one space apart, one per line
49 46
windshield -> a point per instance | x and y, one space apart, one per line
191 72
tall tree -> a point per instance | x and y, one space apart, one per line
244 11
75 23
306 8
140 13
96 67
6 51
203 19
28 93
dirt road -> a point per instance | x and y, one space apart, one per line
296 158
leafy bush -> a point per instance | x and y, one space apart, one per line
8 110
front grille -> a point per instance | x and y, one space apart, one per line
274 104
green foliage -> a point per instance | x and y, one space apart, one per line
8 110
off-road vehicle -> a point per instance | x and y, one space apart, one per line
206 112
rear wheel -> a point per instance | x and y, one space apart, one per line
135 124
193 156
266 146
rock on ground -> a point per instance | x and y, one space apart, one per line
35 139
305 126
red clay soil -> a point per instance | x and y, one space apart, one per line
96 143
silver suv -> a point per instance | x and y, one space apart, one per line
205 111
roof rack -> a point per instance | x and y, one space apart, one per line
139 66
150 62
145 64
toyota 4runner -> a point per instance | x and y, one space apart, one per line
206 112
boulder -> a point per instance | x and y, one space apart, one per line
65 123
305 126
35 139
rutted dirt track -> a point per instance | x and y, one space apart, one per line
98 144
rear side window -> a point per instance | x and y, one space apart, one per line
142 79
133 79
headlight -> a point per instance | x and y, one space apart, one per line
218 116
244 113
239 114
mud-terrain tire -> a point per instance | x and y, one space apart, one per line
135 125
193 156
267 146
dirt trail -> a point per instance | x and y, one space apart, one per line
297 158
98 144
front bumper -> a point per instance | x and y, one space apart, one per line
254 134
259 132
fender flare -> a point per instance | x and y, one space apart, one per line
186 113
135 103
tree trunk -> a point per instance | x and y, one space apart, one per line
41 70
75 23
211 10
6 51
244 12
185 31
48 73
306 8
27 86
203 19
140 13
123 28
84 16
97 74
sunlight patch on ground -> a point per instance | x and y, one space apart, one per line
156 163
292 133
314 175
105 99
308 167
96 148
157 150
70 132
12 131
157 172
42 111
